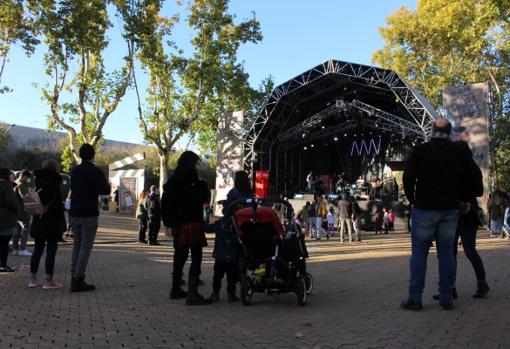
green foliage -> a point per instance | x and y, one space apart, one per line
74 34
15 27
440 44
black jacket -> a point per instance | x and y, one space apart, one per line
52 223
475 185
226 243
184 196
435 176
87 183
153 207
9 206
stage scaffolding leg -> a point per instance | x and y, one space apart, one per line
300 171
285 172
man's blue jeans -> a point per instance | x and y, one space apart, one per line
426 227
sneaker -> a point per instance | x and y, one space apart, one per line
79 285
317 239
15 252
411 304
32 283
6 269
25 253
51 285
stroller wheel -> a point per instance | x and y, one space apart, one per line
309 283
301 289
246 290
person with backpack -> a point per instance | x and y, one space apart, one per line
10 208
48 227
153 208
87 183
20 239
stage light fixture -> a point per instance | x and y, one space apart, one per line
336 139
323 127
312 145
305 148
304 135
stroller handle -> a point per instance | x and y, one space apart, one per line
258 202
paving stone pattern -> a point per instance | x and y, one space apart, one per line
355 303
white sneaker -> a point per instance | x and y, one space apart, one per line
25 253
14 252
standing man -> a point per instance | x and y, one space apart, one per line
344 215
19 240
153 207
87 183
435 185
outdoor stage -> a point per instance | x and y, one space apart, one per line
337 117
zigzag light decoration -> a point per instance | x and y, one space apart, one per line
372 147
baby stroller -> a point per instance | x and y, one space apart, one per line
273 255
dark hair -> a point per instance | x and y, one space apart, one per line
87 152
5 174
242 183
51 165
446 128
464 148
186 162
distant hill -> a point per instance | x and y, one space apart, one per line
28 137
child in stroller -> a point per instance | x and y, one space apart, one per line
272 256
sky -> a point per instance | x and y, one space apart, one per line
298 35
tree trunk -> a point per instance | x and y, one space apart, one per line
163 169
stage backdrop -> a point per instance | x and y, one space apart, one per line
467 107
230 154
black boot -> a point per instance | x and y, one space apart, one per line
193 297
215 297
483 289
232 298
79 285
177 292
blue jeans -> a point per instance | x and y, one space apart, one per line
427 226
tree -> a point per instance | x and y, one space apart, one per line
81 94
5 137
15 27
440 44
187 93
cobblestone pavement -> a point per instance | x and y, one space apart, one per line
355 303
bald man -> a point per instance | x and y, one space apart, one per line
436 186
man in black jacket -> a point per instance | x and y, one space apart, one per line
87 183
435 184
153 207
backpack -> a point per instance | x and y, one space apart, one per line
33 204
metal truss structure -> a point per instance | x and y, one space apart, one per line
281 119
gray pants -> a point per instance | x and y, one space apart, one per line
19 240
84 230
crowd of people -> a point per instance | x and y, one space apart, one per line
441 184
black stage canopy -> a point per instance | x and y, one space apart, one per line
335 117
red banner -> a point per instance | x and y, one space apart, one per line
262 184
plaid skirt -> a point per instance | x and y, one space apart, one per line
190 234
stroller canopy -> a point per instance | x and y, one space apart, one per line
263 215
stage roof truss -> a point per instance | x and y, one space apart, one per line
419 111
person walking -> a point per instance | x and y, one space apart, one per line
468 226
182 203
153 208
345 214
141 215
20 239
435 184
49 227
87 183
10 209
312 229
304 217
